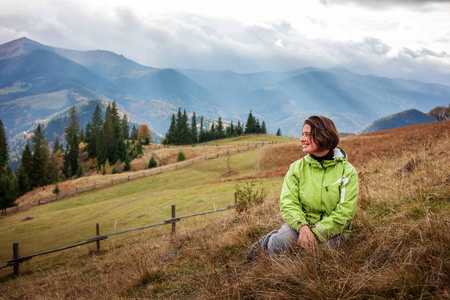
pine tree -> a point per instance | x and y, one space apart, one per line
219 129
56 146
108 135
25 171
3 148
40 158
121 150
201 136
125 127
171 134
95 127
127 166
194 133
257 126
263 128
72 132
239 128
250 126
278 132
134 133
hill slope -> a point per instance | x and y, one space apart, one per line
404 118
398 247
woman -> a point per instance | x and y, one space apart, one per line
319 194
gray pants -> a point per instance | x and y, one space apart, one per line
285 239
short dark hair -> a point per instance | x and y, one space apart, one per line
323 132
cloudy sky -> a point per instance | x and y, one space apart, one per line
392 38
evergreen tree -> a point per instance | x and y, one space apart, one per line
93 132
81 138
121 150
125 127
201 136
219 129
72 132
40 158
239 128
257 127
134 133
278 132
263 128
250 126
194 133
3 148
171 134
127 166
23 182
56 146
108 135
7 192
24 172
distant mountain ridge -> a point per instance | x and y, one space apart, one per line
38 81
401 119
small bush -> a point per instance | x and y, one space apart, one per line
248 196
181 156
56 190
152 163
114 170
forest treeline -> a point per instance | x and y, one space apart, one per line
181 133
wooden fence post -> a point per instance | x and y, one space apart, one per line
16 256
97 230
173 216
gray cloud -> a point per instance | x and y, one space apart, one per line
382 4
187 40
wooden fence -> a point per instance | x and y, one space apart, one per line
135 175
17 260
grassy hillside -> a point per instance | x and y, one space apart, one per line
399 246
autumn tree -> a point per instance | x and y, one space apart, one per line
143 134
438 113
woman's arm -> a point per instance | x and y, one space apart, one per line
290 206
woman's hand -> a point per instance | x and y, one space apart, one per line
306 238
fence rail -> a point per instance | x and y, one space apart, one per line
173 220
136 175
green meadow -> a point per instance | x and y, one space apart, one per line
200 187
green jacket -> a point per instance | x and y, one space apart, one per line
321 196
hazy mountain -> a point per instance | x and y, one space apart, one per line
404 118
37 82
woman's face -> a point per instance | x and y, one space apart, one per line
308 143
309 146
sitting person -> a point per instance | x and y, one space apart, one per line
319 194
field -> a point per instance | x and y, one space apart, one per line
399 246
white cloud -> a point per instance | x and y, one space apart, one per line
393 39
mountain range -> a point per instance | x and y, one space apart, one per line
38 82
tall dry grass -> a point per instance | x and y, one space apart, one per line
399 248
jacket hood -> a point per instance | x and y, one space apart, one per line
338 155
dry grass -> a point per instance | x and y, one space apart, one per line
399 247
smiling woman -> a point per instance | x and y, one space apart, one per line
319 195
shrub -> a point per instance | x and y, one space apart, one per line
152 163
56 190
247 196
181 156
114 170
